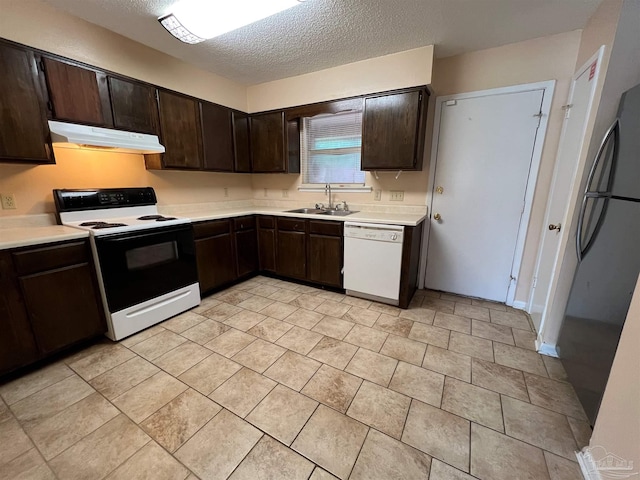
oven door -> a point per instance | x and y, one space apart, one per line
142 265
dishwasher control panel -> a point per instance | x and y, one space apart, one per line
372 231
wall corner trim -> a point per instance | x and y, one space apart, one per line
546 349
587 466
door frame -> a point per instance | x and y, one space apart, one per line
548 88
566 234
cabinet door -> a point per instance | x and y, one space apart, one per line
325 260
393 128
78 94
291 254
63 306
24 133
180 128
216 263
134 106
217 137
267 249
17 345
268 142
241 143
247 252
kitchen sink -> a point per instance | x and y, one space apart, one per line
305 210
318 211
337 213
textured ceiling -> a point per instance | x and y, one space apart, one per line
320 34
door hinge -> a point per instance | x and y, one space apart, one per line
512 278
567 110
41 65
539 115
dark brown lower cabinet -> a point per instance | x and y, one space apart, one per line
267 243
246 245
410 263
17 345
291 254
325 253
50 300
62 307
291 248
214 254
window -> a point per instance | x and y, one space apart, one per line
331 150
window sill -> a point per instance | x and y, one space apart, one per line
335 188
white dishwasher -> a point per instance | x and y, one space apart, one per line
372 261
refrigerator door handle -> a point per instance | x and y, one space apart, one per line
581 250
583 209
610 131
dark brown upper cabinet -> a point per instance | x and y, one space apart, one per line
241 142
393 130
180 131
77 94
275 143
134 106
217 137
24 133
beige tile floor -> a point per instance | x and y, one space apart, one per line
273 380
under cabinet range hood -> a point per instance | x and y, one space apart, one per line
71 135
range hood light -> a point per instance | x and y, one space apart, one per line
194 21
71 135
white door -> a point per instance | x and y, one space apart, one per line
577 110
484 152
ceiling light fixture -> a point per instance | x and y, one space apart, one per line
194 21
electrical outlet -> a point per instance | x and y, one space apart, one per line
8 201
397 195
265 191
285 193
226 192
377 195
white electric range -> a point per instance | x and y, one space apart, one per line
146 262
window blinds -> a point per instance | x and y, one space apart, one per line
331 148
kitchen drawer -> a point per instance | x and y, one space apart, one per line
266 222
291 224
325 228
244 223
50 257
210 229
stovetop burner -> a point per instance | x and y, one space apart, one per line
108 225
157 218
92 224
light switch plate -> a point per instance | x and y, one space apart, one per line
377 195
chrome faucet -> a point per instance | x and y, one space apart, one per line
327 188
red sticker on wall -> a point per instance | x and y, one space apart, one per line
592 72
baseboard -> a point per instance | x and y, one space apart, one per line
519 305
546 349
587 466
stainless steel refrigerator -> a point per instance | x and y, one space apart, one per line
608 249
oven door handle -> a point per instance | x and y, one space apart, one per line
128 236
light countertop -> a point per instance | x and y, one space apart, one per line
36 230
35 235
202 214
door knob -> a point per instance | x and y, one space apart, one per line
437 217
555 227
